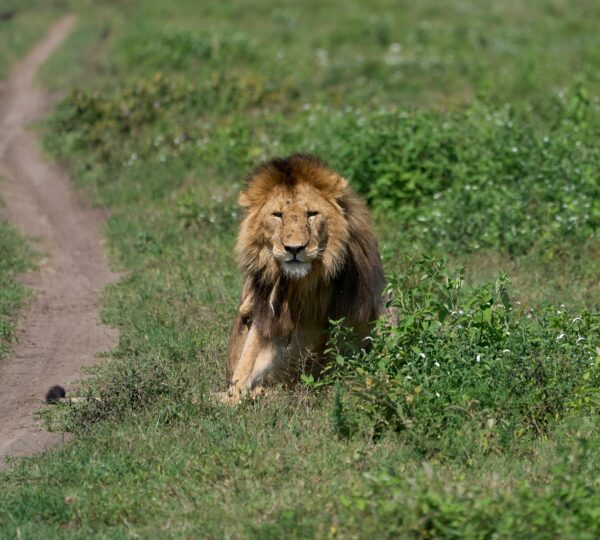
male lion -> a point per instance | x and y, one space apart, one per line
310 255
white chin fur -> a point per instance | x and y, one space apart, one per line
296 270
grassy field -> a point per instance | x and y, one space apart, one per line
472 131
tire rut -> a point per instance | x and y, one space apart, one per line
59 331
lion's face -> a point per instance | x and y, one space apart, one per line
295 227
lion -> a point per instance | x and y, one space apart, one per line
307 247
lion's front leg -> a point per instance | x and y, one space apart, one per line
239 330
259 357
239 381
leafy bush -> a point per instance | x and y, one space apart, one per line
475 179
464 370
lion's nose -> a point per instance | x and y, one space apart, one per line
294 250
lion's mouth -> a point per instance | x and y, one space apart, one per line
295 268
298 259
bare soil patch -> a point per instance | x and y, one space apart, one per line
60 332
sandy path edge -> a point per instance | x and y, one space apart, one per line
60 331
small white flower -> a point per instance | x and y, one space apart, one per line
436 364
393 55
322 57
505 350
422 355
478 358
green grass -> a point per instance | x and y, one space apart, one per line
22 22
472 133
15 258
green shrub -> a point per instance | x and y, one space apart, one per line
464 370
474 179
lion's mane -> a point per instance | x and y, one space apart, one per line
348 281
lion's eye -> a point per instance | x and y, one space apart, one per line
312 213
277 214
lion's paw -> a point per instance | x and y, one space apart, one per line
235 396
227 397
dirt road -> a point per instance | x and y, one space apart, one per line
59 332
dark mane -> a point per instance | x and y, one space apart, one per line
289 170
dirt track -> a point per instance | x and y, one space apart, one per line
59 332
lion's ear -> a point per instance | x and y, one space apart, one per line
244 200
339 185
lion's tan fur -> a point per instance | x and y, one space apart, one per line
282 320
